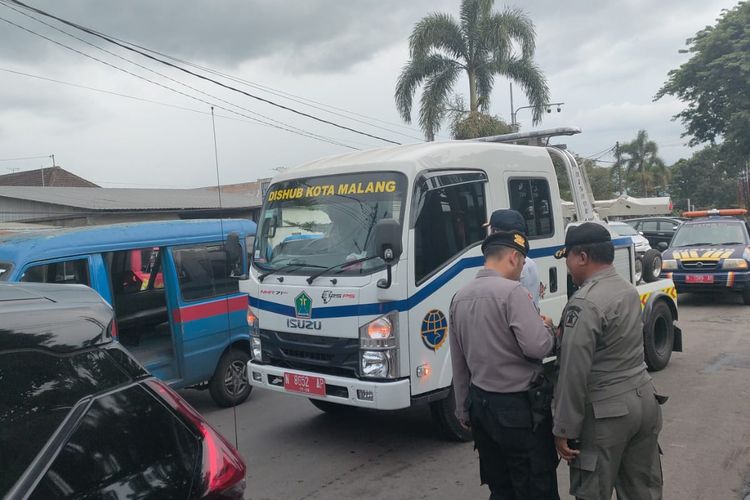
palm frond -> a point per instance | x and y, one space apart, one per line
412 75
472 13
437 32
512 25
528 75
485 82
433 106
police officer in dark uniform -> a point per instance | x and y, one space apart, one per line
607 416
498 340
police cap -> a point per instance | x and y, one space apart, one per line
585 234
511 239
506 219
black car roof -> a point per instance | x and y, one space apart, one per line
55 317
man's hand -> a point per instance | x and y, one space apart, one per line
564 451
547 321
465 423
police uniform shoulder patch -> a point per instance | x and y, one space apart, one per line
572 313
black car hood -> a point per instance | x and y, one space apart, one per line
61 318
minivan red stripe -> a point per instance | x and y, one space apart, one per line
208 309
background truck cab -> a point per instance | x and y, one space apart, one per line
178 309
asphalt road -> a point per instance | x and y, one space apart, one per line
293 451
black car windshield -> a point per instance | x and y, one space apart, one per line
624 229
318 222
5 271
710 233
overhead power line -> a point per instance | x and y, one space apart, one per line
162 75
197 75
167 87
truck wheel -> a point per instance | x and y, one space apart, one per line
230 386
444 414
658 336
332 408
651 265
638 271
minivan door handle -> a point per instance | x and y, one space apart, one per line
552 279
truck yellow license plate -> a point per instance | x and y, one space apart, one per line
305 384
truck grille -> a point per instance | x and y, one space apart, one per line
329 355
700 265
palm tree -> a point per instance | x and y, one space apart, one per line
483 44
642 157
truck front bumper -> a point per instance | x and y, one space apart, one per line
343 390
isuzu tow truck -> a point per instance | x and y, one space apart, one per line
359 255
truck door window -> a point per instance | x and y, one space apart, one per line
531 197
203 272
449 221
68 272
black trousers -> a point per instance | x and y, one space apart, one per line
516 461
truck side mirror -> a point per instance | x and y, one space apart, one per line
236 257
662 246
387 236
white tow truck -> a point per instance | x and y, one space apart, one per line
359 255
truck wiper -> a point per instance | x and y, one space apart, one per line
288 267
347 263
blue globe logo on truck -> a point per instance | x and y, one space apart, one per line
303 306
434 329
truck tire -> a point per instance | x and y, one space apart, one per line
638 271
443 413
229 385
658 336
651 265
332 408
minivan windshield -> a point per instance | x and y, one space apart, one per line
710 233
314 223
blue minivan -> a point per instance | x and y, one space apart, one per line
173 286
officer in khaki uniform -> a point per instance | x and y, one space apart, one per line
498 340
606 415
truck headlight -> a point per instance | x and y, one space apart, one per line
377 364
734 264
668 264
256 348
378 347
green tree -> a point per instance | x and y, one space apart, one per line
708 179
642 161
483 44
468 125
714 82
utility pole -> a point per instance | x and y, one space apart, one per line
512 114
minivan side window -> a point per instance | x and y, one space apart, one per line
531 198
68 272
449 221
203 272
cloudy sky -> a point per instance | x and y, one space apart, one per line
605 60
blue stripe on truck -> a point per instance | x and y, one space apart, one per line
379 308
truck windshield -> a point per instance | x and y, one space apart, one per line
710 233
5 271
323 221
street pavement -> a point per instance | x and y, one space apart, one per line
293 451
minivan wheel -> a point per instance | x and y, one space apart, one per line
230 385
444 415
